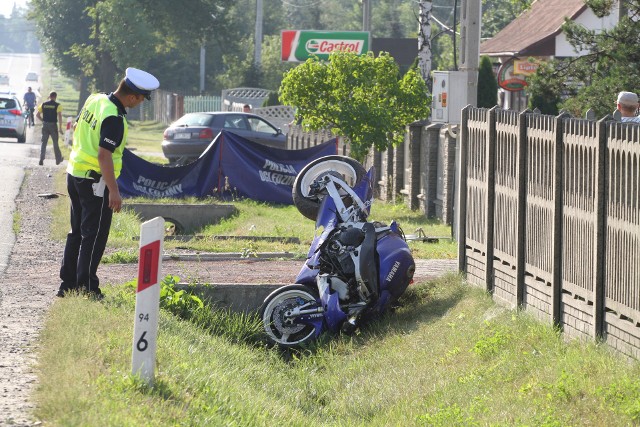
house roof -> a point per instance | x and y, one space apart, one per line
533 32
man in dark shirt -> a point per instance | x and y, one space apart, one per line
50 113
29 100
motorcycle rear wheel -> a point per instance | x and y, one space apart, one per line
351 171
281 331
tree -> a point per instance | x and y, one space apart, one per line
424 40
496 14
544 91
487 84
609 63
360 97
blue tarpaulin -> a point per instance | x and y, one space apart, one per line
230 167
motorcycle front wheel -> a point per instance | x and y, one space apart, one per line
280 330
349 169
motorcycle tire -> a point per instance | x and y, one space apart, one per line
351 170
272 316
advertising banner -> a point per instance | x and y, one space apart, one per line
525 67
508 80
231 167
299 45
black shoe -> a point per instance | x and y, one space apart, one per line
96 295
60 293
41 163
59 161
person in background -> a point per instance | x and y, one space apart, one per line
627 104
50 113
29 101
100 135
246 108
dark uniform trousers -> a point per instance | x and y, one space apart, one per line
85 244
50 129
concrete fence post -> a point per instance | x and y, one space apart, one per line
558 197
446 152
460 222
397 184
600 229
412 164
490 187
429 169
521 173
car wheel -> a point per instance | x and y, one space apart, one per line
23 138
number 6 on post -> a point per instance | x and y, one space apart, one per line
145 330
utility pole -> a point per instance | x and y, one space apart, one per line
202 55
257 58
366 15
470 47
469 60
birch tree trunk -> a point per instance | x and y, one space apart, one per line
424 41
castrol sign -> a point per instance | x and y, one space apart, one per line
299 45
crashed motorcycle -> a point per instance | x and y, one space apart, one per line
355 269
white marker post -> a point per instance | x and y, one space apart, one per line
145 329
68 134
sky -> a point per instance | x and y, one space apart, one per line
6 6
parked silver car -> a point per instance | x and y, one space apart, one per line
13 122
191 134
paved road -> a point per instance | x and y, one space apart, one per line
13 160
17 66
14 157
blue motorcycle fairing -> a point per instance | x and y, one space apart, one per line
333 314
381 304
308 273
396 264
326 213
332 317
315 320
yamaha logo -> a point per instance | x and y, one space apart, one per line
393 271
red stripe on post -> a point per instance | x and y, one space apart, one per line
148 265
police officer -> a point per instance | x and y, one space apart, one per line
50 113
100 135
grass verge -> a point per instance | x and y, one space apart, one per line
258 219
447 357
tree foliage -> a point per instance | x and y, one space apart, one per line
361 97
487 84
609 64
98 39
17 34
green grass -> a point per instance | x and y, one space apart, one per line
145 139
17 218
447 357
259 219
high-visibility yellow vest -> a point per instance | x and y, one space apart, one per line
86 137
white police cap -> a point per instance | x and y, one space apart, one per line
141 82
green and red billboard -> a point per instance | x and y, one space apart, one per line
299 45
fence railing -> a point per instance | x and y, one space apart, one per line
550 219
166 107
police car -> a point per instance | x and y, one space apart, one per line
13 122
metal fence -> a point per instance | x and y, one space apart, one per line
550 219
166 107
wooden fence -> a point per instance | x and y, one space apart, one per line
550 219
